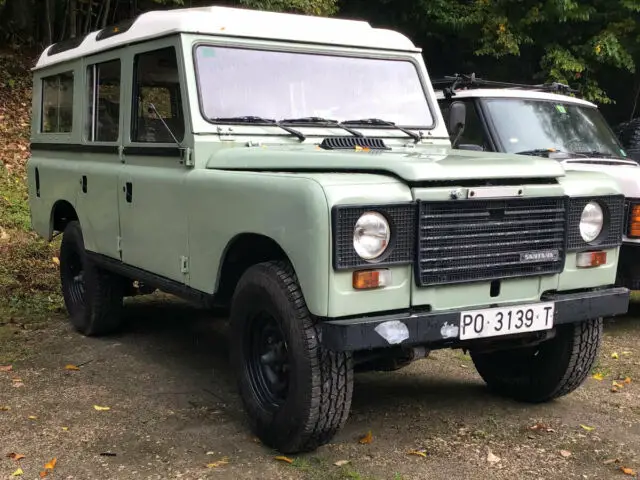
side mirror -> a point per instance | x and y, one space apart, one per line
457 120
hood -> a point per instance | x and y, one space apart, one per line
425 164
625 172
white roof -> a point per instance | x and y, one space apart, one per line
516 93
239 22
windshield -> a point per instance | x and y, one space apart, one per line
237 82
527 125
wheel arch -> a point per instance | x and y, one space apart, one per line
62 212
241 252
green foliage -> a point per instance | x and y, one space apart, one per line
309 7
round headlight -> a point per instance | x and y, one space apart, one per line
371 235
591 222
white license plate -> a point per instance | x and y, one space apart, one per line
494 322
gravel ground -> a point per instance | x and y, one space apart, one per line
174 412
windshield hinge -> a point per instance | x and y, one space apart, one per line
119 243
226 134
184 265
187 157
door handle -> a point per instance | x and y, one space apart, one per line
84 184
128 189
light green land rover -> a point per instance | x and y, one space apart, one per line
297 170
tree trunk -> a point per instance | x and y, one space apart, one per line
87 20
73 18
48 28
105 17
17 18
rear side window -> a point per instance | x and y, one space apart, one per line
157 100
103 102
57 103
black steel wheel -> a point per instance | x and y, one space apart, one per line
92 296
296 393
268 362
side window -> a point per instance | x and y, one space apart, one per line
157 98
473 130
103 101
57 103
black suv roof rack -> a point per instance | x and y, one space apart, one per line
463 81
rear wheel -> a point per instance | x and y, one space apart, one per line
92 296
296 393
546 371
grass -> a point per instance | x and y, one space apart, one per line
29 282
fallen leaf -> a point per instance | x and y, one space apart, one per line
542 427
17 473
587 428
51 465
6 368
627 471
614 390
565 453
15 456
418 453
65 429
598 376
617 385
615 355
610 461
56 260
491 458
626 353
101 409
32 417
341 463
5 409
44 473
627 380
108 454
368 438
284 459
71 367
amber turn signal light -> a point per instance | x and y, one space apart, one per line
591 259
634 221
368 279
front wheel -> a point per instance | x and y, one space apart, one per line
297 394
546 371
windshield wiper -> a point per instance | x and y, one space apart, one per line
254 119
597 153
540 152
377 121
322 121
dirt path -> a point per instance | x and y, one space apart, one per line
174 409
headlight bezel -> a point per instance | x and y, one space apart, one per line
400 216
610 235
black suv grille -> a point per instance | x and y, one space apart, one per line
474 240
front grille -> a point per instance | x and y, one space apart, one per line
478 240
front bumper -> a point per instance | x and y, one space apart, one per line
438 327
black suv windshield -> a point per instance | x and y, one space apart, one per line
236 82
528 126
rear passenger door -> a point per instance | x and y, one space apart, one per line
153 220
99 166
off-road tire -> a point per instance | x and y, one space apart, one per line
544 372
97 308
320 382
